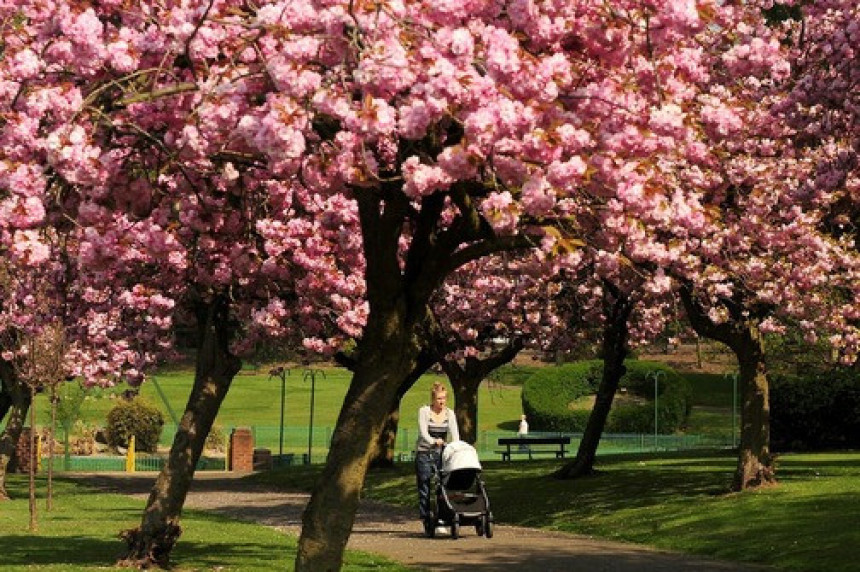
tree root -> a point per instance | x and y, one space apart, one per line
146 551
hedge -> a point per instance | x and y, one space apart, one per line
548 393
815 412
135 417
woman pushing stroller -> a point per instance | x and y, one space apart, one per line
437 425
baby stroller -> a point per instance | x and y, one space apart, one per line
460 498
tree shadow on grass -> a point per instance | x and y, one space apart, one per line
38 551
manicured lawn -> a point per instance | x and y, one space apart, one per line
255 399
81 534
808 522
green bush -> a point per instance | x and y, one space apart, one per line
135 417
216 440
815 412
548 393
673 399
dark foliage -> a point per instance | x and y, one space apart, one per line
815 412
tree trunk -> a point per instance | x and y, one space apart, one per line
151 544
330 513
19 397
755 464
391 354
387 441
466 381
615 335
741 333
33 463
466 405
5 402
385 444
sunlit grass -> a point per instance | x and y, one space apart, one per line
255 399
680 501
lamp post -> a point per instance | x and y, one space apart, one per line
656 375
281 372
311 373
734 378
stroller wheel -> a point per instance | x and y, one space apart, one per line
430 528
488 526
455 527
479 527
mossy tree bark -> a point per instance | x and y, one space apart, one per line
329 516
741 333
617 307
18 395
150 544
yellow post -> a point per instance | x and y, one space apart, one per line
129 456
38 453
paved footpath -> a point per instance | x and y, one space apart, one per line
396 533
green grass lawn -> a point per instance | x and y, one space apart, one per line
808 522
255 399
81 534
677 501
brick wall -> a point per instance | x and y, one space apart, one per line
242 450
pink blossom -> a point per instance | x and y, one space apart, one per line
721 120
29 248
538 196
667 120
501 211
421 179
24 65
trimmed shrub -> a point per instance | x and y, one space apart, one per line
548 393
673 399
135 417
815 412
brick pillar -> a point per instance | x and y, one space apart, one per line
22 452
242 449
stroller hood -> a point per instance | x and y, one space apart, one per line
458 455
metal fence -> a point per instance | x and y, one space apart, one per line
295 446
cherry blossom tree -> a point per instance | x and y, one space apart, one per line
447 141
165 208
318 169
766 257
487 312
176 137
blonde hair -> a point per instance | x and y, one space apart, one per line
438 387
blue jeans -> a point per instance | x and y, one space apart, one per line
426 463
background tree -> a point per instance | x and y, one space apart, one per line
767 261
107 125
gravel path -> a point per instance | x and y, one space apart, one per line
396 533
